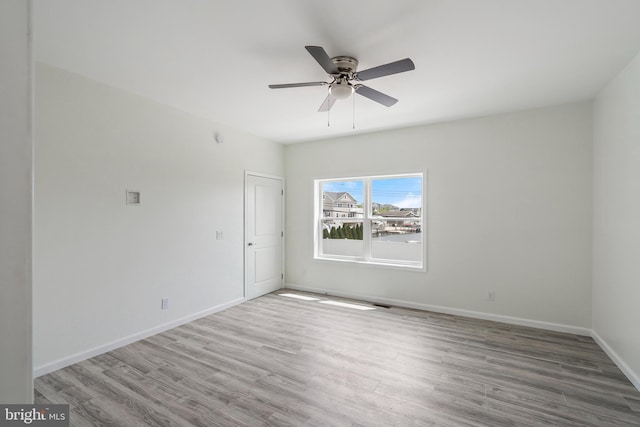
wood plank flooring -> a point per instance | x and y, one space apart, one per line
283 361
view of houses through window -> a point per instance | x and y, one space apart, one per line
371 219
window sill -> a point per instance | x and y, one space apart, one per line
373 263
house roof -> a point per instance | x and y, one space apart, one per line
397 214
336 196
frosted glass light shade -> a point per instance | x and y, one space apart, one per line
341 90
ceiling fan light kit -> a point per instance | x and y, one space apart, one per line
341 89
345 79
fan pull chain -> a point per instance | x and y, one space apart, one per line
353 113
328 109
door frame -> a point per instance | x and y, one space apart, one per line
248 173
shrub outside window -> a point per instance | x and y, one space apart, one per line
374 219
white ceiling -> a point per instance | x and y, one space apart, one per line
215 58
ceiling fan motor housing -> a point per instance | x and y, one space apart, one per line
341 87
346 64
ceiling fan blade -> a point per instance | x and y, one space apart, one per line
327 103
386 70
287 85
323 59
374 95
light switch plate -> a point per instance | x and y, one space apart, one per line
133 197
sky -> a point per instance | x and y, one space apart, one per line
400 192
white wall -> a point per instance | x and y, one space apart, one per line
16 382
616 245
509 209
101 267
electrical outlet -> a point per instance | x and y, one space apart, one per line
219 235
165 304
491 296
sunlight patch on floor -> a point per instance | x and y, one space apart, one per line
347 305
328 302
302 297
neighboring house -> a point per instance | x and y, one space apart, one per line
340 205
400 218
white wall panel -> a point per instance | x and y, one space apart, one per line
509 210
102 266
616 246
16 146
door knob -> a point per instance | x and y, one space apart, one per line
250 244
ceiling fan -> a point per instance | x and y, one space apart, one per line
345 79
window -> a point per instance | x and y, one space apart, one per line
376 220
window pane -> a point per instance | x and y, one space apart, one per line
396 226
342 237
342 199
398 239
389 195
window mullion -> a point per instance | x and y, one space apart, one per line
319 214
366 223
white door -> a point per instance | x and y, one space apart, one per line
264 235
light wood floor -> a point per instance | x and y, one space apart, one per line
283 361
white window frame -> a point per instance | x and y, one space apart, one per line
366 221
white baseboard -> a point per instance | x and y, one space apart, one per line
83 355
626 370
448 310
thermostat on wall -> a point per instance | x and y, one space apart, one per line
133 197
